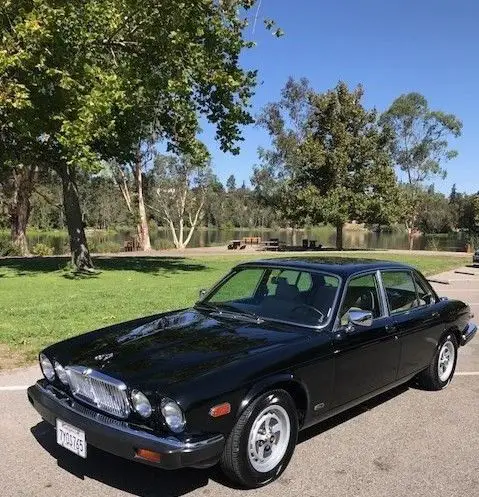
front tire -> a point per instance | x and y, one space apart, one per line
262 441
440 371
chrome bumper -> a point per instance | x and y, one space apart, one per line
118 437
468 334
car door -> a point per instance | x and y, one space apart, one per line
415 310
366 358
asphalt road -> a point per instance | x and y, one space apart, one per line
405 443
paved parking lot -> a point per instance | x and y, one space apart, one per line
405 443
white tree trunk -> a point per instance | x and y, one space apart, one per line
142 226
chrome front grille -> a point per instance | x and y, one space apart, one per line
98 390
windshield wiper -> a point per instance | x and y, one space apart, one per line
229 311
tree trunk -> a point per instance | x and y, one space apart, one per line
411 238
339 236
294 236
20 207
80 254
142 226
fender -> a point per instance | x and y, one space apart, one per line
279 380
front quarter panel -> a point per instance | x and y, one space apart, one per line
305 368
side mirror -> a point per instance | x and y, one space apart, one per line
358 317
202 293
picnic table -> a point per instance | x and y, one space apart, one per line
236 244
273 244
252 240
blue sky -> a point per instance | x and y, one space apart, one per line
390 46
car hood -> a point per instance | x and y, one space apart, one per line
170 348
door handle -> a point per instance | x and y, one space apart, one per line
391 328
435 314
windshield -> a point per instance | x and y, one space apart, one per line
292 295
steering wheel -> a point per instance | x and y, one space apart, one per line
310 307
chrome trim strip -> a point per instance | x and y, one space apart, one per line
123 427
92 373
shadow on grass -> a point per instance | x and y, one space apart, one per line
22 266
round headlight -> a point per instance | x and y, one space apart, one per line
141 404
61 373
173 415
47 367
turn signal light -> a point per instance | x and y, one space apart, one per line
220 410
149 455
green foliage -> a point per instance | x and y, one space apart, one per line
420 145
435 214
231 183
42 250
274 179
345 169
91 77
105 246
163 244
466 208
87 81
7 248
329 161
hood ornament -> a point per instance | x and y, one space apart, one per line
104 357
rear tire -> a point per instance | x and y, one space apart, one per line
262 441
441 369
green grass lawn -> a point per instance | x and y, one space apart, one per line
41 303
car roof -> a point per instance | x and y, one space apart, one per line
343 266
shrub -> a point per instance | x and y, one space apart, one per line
162 244
152 226
7 248
42 249
103 247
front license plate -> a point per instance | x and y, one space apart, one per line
71 438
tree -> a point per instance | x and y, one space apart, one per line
436 214
88 81
231 183
18 183
181 187
330 160
345 169
420 146
453 195
274 178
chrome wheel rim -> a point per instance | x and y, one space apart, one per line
445 362
269 438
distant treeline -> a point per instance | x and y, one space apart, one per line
226 206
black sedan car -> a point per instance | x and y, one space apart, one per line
275 347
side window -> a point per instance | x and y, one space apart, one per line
424 293
400 290
361 293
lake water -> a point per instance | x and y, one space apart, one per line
353 239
